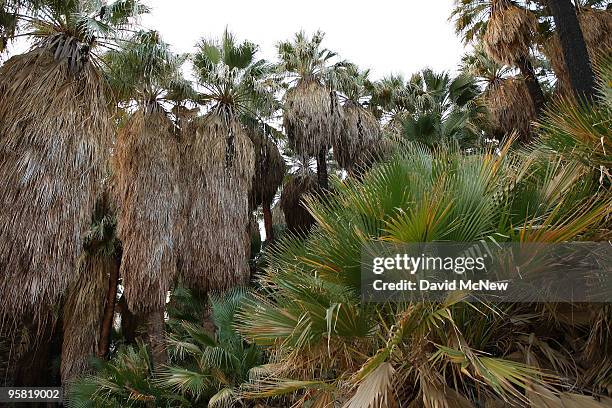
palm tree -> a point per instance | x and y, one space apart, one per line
508 38
506 97
312 115
444 109
220 163
359 142
507 31
55 136
146 179
575 51
392 100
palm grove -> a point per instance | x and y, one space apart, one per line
131 270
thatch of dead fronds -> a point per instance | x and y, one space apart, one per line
295 190
269 172
510 32
184 115
278 217
219 165
147 194
83 312
55 136
312 117
510 106
358 143
596 27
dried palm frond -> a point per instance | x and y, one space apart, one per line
509 33
510 107
312 117
596 27
358 143
87 298
55 136
146 177
83 312
219 164
184 115
297 217
269 172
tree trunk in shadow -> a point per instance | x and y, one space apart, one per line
269 227
322 175
208 322
533 86
156 338
109 311
575 51
129 321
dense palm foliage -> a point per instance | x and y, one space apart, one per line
334 348
445 109
130 195
203 366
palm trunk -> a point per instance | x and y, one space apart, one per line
267 216
322 176
207 320
574 48
155 339
109 311
129 321
531 80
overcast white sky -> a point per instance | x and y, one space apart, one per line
387 36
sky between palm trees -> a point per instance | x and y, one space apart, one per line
388 36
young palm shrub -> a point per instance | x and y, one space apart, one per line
205 368
211 366
312 114
327 347
55 135
220 164
146 179
359 142
126 380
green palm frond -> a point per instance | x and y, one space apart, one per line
233 78
144 69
